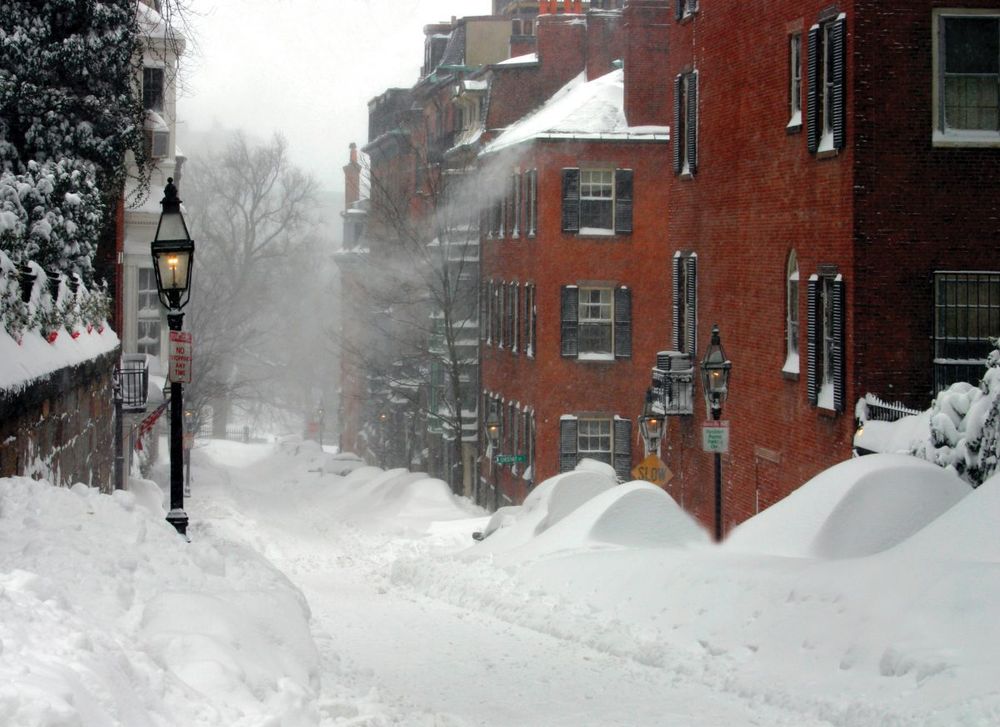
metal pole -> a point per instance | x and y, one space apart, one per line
716 415
177 517
496 487
119 436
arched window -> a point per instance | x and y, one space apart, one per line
792 314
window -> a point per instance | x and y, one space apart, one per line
606 439
157 143
685 140
596 196
795 81
825 379
596 323
529 446
597 201
529 319
966 317
684 8
967 76
531 208
152 89
148 318
792 315
685 298
825 99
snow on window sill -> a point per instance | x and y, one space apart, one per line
791 364
826 147
794 125
596 357
959 138
596 232
825 398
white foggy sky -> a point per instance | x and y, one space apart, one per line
306 68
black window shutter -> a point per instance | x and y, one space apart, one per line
567 444
675 334
837 38
812 347
623 323
623 449
483 303
678 9
691 130
674 138
812 92
570 318
571 200
838 344
534 201
691 324
623 201
515 205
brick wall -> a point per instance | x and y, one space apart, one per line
548 383
645 49
60 428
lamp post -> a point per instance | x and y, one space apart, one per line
493 435
715 369
651 424
382 418
173 255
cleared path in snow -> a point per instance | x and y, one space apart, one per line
393 656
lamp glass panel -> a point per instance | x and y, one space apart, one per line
173 267
171 227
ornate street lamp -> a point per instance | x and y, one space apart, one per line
173 255
493 435
715 368
651 424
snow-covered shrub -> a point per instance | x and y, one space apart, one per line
965 426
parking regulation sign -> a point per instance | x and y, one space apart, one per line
180 357
715 437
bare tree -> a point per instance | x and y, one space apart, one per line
251 214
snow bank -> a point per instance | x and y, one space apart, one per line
858 507
35 357
107 617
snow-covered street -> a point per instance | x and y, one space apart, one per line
311 598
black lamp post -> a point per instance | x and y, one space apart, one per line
715 369
493 435
382 419
651 424
173 255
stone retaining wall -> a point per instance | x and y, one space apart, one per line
60 428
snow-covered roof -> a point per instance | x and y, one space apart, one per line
520 60
473 85
581 109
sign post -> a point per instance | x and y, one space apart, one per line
179 353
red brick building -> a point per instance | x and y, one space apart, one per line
835 168
573 296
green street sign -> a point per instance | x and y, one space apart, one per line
511 458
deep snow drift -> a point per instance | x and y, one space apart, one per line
867 597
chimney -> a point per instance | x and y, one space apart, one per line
646 101
352 179
562 48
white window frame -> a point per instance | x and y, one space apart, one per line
689 7
590 424
597 186
589 320
531 209
825 100
792 315
943 136
149 312
795 81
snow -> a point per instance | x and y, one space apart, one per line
520 60
581 109
309 598
35 357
